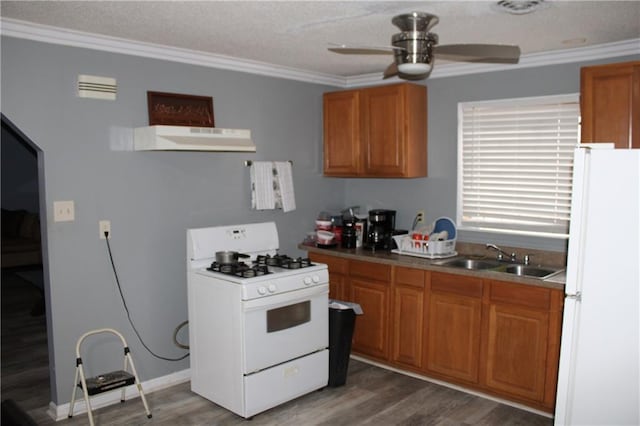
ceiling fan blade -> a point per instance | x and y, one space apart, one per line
492 53
359 51
391 71
362 50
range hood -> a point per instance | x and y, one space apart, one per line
184 138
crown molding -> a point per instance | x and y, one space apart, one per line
55 35
48 34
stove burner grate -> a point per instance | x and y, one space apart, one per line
283 261
239 269
260 266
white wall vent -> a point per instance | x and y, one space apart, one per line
91 86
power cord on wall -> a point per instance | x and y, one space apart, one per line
124 303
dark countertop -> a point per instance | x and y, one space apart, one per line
394 259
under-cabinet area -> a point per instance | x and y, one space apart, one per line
489 335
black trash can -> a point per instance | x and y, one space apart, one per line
342 319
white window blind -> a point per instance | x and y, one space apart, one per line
515 160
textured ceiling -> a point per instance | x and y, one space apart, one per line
297 34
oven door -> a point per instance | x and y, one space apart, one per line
285 326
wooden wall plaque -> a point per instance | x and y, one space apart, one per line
173 109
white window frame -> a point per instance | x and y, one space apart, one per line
484 217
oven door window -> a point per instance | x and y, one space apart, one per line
288 316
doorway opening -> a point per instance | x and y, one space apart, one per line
25 350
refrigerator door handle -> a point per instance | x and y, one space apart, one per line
577 296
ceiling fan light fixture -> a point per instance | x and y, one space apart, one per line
414 69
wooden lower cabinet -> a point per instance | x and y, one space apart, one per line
408 317
500 338
522 341
517 350
454 326
369 287
338 274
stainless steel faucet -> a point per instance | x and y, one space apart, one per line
502 253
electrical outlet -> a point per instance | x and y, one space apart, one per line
104 226
420 217
63 211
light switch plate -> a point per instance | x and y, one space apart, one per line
63 211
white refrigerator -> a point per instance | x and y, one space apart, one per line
599 370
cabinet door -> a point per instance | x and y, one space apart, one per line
338 270
341 117
394 130
455 312
518 353
371 336
383 136
610 104
337 286
517 349
408 317
369 286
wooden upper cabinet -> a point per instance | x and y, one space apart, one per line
610 104
341 133
376 132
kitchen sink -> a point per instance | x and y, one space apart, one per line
529 271
498 266
473 264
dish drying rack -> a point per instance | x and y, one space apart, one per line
430 249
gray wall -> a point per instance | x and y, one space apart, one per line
151 198
436 194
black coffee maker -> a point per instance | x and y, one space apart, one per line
380 229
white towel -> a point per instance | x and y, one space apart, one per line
285 183
262 193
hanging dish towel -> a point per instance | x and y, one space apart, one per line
262 180
285 185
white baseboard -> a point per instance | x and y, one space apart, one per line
61 412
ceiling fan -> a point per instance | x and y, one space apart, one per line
415 46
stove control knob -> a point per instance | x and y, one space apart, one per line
307 280
272 288
262 291
316 279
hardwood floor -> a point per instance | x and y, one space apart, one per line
25 363
372 395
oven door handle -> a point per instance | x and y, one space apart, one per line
284 299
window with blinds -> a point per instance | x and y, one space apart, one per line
515 160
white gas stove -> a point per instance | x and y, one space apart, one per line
265 275
258 329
